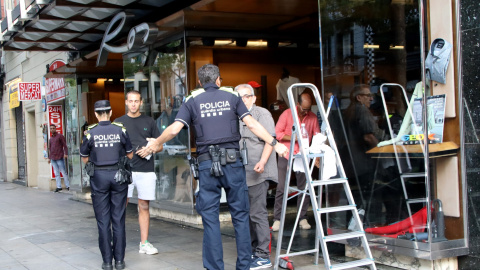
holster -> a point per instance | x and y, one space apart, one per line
193 166
216 169
90 168
124 173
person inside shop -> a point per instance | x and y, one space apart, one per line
57 153
140 127
103 151
260 170
361 128
283 130
283 84
209 111
255 85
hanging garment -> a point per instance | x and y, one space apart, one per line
437 60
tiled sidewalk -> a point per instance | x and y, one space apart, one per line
45 230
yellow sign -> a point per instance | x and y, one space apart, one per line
14 102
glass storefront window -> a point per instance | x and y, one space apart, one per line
162 86
73 133
371 50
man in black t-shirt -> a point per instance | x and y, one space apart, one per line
140 127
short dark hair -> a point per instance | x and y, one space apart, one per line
357 90
102 112
53 125
133 92
208 74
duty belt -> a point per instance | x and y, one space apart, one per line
107 167
206 156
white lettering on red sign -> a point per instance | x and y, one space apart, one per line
29 91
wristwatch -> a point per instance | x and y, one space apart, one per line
274 142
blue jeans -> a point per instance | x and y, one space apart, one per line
59 166
208 206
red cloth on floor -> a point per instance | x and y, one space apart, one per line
414 224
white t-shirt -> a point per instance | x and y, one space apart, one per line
282 87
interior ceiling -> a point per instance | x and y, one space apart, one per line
79 25
281 19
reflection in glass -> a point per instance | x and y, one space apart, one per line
366 44
162 86
73 133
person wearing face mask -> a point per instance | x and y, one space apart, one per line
260 170
283 130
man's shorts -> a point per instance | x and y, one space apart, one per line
145 182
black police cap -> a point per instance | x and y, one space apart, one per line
102 105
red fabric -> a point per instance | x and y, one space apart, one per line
285 123
419 220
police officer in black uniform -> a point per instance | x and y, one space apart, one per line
214 113
104 145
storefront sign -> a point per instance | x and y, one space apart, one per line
139 38
55 117
29 91
13 91
55 87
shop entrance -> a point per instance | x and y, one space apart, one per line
31 138
20 143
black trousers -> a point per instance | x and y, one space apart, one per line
109 204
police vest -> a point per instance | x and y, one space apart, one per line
107 143
216 121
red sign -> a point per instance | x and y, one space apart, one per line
54 87
29 91
55 117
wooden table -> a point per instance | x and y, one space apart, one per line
415 150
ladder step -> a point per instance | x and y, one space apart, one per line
329 182
409 175
348 265
343 236
337 209
416 200
309 155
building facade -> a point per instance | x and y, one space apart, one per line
335 45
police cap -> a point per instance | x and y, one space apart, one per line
102 105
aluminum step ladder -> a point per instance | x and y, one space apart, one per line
400 149
308 161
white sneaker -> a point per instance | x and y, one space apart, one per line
276 226
304 225
147 248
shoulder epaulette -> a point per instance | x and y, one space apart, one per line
229 90
92 126
120 125
195 93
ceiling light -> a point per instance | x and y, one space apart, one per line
257 43
223 42
398 47
371 46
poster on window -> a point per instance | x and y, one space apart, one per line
55 117
435 120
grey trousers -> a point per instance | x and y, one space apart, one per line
259 228
301 183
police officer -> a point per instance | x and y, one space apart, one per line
214 113
104 145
